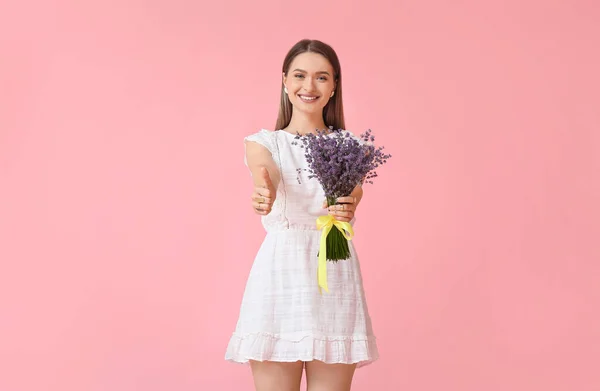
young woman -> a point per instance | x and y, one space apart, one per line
286 324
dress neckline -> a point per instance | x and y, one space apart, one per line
283 131
294 134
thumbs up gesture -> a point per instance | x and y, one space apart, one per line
264 194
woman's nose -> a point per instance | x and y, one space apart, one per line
308 84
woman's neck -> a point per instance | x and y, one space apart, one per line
304 125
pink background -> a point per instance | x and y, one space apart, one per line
126 234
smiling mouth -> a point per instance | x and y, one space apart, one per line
306 98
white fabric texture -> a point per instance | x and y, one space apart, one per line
283 316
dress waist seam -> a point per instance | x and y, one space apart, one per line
292 229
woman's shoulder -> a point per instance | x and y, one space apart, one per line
262 132
262 136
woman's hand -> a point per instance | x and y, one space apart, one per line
344 209
264 194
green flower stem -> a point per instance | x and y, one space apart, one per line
337 244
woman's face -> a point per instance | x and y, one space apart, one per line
309 82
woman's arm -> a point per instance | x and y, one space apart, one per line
257 157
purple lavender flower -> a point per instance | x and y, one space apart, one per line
339 161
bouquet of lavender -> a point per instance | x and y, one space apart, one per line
340 162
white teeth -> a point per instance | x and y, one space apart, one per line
307 98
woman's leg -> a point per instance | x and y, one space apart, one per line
329 377
276 376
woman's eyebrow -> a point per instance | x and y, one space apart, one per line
302 70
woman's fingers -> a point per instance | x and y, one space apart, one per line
342 200
261 191
342 207
342 216
339 213
262 195
261 208
261 199
346 200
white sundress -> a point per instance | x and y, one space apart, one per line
283 315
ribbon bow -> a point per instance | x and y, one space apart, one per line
326 223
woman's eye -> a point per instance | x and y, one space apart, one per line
324 78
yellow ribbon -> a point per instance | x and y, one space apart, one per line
326 223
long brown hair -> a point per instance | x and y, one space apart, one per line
333 112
